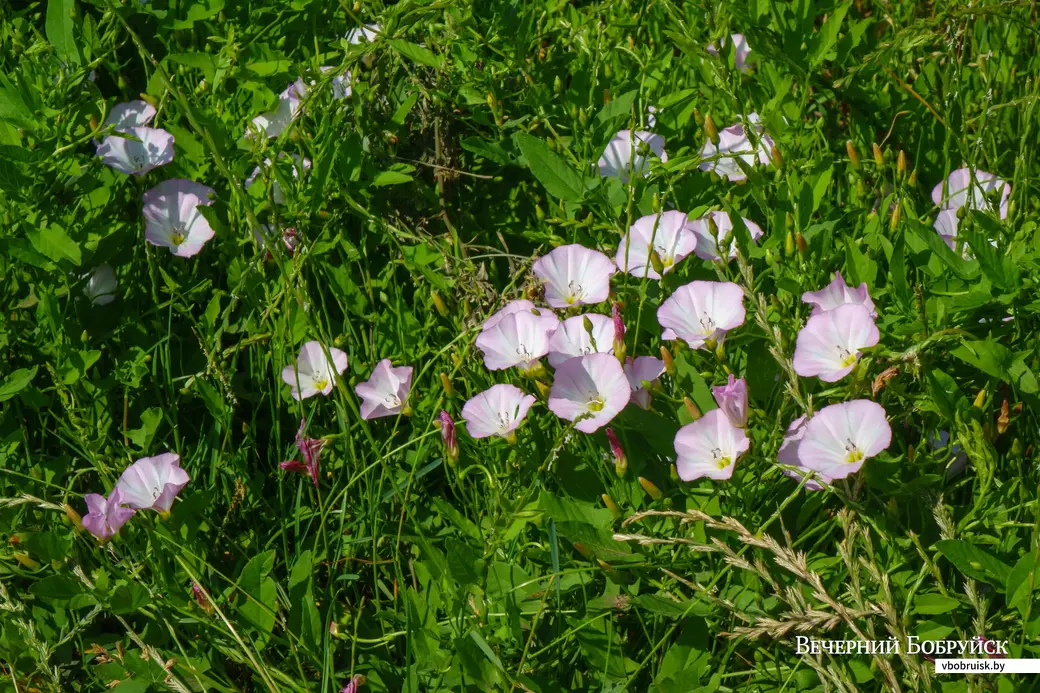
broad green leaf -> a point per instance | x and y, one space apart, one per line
981 231
618 107
551 169
57 587
1022 581
974 562
150 420
61 18
53 242
965 269
129 598
16 382
934 604
198 11
825 38
416 53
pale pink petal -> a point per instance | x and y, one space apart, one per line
151 148
628 153
496 411
131 114
709 447
152 482
706 246
829 345
574 275
642 368
701 311
386 392
841 437
571 339
595 385
838 293
665 233
732 399
517 339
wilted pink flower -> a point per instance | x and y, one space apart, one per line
620 461
151 483
959 185
200 598
310 448
448 434
829 344
788 455
841 437
838 293
101 285
666 233
592 386
572 339
701 311
710 446
313 371
734 144
367 33
274 123
732 399
290 239
299 163
643 368
707 248
628 154
106 516
741 51
574 275
149 148
386 392
172 219
518 339
496 411
519 306
130 114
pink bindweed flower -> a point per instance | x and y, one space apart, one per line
572 339
274 122
701 311
518 339
838 293
574 275
962 191
386 392
101 285
448 435
130 114
946 223
592 388
496 411
710 446
519 306
366 33
149 148
106 515
732 399
313 372
788 455
710 248
841 437
666 233
733 144
829 344
741 50
628 155
639 370
277 193
151 483
172 219
310 448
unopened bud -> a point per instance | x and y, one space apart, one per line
850 149
26 560
711 130
893 221
438 303
1004 419
610 571
656 263
543 389
913 178
447 427
620 461
980 399
879 157
778 159
789 244
673 473
74 517
901 164
669 362
803 247
911 453
619 332
557 85
651 488
1016 448
691 408
657 203
449 389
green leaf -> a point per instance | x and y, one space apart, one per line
129 598
974 562
200 61
390 178
417 54
16 382
858 265
998 361
60 21
150 420
1022 581
964 269
618 107
944 392
56 587
551 169
259 599
997 265
53 242
204 9
934 604
826 37
13 108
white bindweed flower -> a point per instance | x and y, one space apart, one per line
838 293
172 218
574 275
101 286
734 143
496 411
151 483
841 437
710 446
701 311
274 122
386 392
517 339
572 339
628 155
829 345
590 390
149 148
639 370
131 114
710 247
313 372
666 233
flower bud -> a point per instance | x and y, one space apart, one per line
26 560
778 159
447 427
1004 419
651 488
201 599
611 506
1016 448
669 362
850 149
691 408
619 333
543 389
893 221
803 247
913 178
74 517
711 130
557 85
673 473
657 203
611 571
449 389
656 262
620 461
438 303
901 164
789 244
980 399
713 228
879 157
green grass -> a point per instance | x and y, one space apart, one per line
421 215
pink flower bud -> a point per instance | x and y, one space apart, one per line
448 435
620 461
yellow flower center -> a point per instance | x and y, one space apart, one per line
595 405
853 456
848 360
177 238
722 462
321 384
